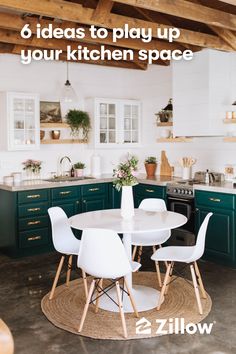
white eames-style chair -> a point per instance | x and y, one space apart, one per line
188 255
110 262
151 238
65 243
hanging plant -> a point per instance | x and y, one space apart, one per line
79 121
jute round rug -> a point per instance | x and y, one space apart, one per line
65 310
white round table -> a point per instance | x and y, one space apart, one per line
146 298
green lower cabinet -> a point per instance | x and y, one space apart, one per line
70 207
91 204
144 191
220 237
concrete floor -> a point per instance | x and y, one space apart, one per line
25 281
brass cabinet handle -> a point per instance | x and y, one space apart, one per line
33 209
32 196
77 202
93 189
34 222
84 201
64 193
149 190
34 238
217 200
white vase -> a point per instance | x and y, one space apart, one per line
127 202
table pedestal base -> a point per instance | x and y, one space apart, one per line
146 298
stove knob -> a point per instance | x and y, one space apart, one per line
186 192
190 192
182 191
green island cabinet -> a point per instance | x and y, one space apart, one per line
25 225
220 237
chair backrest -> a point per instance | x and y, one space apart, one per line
62 234
102 254
153 204
201 237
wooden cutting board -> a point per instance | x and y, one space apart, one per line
166 169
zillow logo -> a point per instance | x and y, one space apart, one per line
172 326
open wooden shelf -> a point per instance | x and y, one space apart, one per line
165 124
63 141
230 139
174 140
54 125
230 121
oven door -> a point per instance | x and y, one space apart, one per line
185 207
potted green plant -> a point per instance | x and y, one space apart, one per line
150 165
79 169
79 122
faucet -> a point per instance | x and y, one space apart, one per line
61 162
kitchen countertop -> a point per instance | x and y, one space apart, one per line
42 184
223 187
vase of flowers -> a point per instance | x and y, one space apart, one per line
125 179
32 168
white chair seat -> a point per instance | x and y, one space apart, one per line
150 238
71 247
174 253
135 266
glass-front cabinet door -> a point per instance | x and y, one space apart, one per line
116 122
131 129
108 123
23 121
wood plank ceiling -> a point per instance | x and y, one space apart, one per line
203 24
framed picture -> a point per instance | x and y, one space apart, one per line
50 112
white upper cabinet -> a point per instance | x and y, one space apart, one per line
19 121
201 90
115 122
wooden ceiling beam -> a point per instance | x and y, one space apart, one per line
7 36
102 10
77 13
228 36
230 2
15 22
187 10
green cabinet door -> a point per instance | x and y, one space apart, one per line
96 203
144 191
220 237
70 207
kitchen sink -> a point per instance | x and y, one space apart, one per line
67 179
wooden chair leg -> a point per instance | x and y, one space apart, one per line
85 283
121 309
199 279
86 305
157 269
56 277
68 273
134 253
167 276
131 298
196 289
170 276
140 251
166 263
98 293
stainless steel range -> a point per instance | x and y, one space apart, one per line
180 196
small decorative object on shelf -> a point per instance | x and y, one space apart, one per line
42 134
165 115
125 180
150 165
55 134
79 122
79 169
32 168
